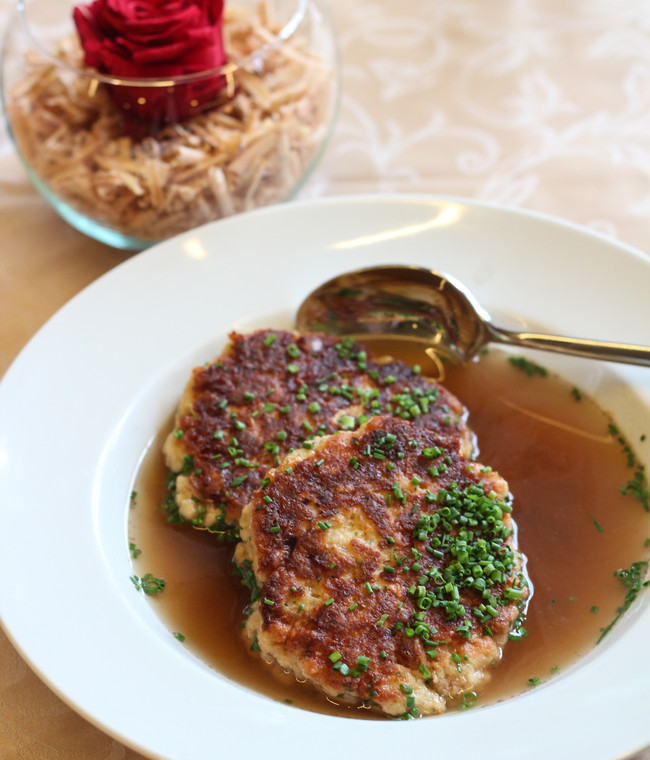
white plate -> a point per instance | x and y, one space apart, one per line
83 400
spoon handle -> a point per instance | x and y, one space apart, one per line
625 353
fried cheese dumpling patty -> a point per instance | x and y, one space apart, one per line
272 392
383 568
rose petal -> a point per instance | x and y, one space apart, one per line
155 38
151 25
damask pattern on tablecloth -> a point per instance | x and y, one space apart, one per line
529 103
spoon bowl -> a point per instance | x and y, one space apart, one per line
432 308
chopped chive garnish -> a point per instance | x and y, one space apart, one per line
470 698
599 527
363 663
149 584
530 368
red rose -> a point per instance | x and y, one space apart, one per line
144 39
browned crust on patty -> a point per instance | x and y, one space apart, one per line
271 392
340 545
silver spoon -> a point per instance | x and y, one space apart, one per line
432 308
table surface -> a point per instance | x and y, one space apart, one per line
541 104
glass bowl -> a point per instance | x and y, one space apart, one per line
254 145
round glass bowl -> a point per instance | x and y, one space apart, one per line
253 145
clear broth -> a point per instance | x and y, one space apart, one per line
565 470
